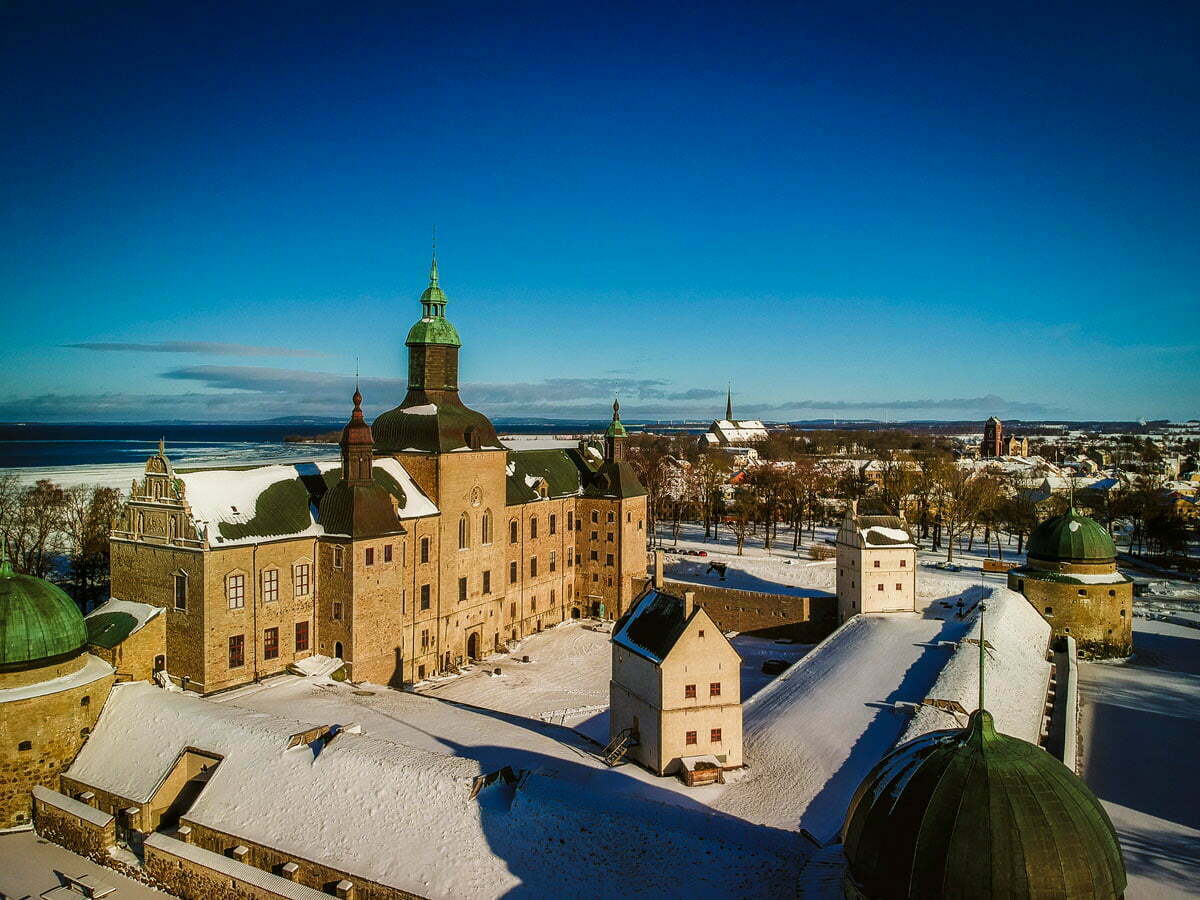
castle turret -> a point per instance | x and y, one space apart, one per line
614 437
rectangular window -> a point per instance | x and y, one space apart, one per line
487 582
237 651
608 559
610 537
899 586
533 603
181 591
387 553
512 531
594 555
270 585
553 560
639 524
424 549
424 638
553 598
595 535
904 563
462 589
554 524
235 590
877 564
533 528
369 556
690 738
271 643
610 517
512 610
337 557
335 611
879 587
533 567
570 521
424 596
570 557
301 636
595 516
689 692
300 579
512 573
714 736
714 689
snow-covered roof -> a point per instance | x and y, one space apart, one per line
406 817
1016 671
93 669
651 628
114 620
243 506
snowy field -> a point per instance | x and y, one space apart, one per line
566 678
1140 725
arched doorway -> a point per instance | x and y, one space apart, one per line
574 612
160 663
473 645
337 649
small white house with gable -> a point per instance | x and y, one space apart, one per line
676 691
876 565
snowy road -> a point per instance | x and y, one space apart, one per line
1141 739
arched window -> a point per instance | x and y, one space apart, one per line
485 527
464 532
512 531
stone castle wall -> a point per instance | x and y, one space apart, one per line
39 738
1098 616
804 619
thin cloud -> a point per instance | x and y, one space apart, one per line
208 347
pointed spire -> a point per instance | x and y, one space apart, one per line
616 410
433 269
982 652
729 402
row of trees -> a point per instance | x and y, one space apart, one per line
54 531
946 503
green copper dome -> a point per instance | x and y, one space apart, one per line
433 327
615 428
38 622
974 813
1071 538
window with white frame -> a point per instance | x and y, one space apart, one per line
235 591
270 585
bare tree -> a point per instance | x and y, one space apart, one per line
32 527
87 515
741 517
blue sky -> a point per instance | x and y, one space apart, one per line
847 210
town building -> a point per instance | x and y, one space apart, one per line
876 564
1071 578
51 689
731 432
675 698
428 544
993 439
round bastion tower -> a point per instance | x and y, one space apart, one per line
51 689
1071 578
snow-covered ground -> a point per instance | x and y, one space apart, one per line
1140 733
30 865
566 678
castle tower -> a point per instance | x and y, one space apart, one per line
993 435
876 564
432 418
614 437
357 445
51 688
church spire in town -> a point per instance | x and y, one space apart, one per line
729 403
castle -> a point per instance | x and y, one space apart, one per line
428 545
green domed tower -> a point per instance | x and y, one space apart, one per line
39 624
1071 578
51 689
432 418
973 813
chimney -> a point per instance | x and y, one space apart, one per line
689 604
659 569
